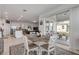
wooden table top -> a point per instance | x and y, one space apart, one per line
39 39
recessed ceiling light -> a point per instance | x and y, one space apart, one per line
34 21
6 12
7 18
24 10
21 16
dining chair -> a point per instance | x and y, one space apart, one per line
48 48
32 48
17 49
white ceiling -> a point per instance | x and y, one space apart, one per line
63 16
15 11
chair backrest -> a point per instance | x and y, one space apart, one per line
52 42
26 42
17 49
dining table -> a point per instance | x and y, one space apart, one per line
39 41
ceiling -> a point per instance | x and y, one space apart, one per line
63 16
15 12
30 12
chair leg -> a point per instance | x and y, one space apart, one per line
48 53
33 52
27 52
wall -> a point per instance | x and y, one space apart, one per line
23 24
74 20
6 27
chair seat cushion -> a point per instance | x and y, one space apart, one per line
32 45
45 46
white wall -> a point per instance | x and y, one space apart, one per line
23 24
74 22
6 27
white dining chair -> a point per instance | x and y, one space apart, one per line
17 49
49 47
31 47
